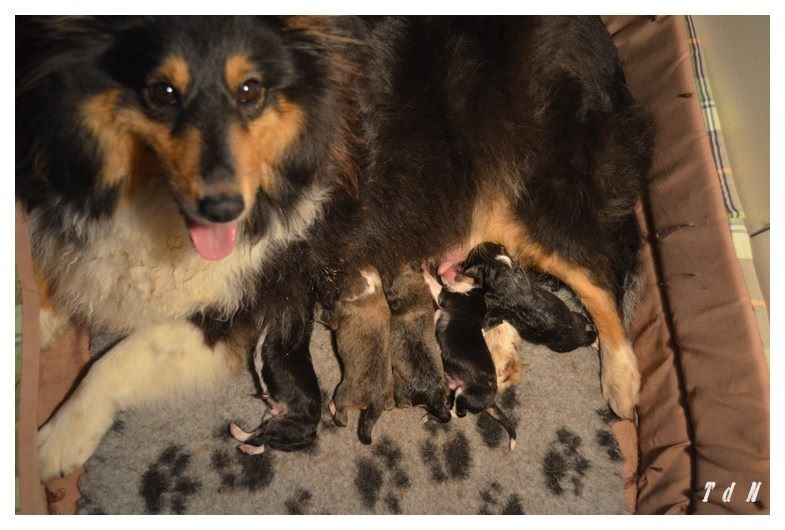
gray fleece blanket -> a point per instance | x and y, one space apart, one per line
180 458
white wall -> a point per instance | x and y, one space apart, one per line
736 54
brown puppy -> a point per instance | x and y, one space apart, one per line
418 374
361 322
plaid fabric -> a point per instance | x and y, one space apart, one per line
741 238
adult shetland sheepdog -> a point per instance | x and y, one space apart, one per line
192 185
173 170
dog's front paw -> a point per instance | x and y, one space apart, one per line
621 380
70 438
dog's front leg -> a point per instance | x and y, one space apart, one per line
151 364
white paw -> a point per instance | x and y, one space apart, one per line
621 380
239 434
251 449
70 438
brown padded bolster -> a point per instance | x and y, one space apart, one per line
701 339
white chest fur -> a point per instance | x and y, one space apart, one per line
139 265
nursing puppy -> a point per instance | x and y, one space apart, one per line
467 360
286 384
418 374
361 321
538 315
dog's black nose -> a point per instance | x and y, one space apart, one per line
221 208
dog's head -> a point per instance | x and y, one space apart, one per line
224 109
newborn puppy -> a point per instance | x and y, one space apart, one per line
284 376
467 360
418 374
361 321
538 315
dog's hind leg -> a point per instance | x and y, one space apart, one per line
152 364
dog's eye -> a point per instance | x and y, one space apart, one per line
162 94
249 92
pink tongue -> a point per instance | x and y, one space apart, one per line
213 241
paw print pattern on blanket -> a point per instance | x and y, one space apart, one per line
462 467
238 471
165 487
382 473
448 454
565 463
490 430
493 501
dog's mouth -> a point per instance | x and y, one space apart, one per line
210 240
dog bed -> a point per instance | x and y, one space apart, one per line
703 412
180 458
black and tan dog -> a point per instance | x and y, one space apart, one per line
183 173
175 172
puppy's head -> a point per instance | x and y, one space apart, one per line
484 261
213 106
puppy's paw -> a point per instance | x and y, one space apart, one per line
70 438
285 434
621 380
340 415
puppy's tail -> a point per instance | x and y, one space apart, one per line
368 418
496 413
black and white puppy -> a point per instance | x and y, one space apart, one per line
284 375
471 374
538 315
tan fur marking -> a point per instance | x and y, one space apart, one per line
237 70
99 115
120 131
44 287
260 147
305 22
176 71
